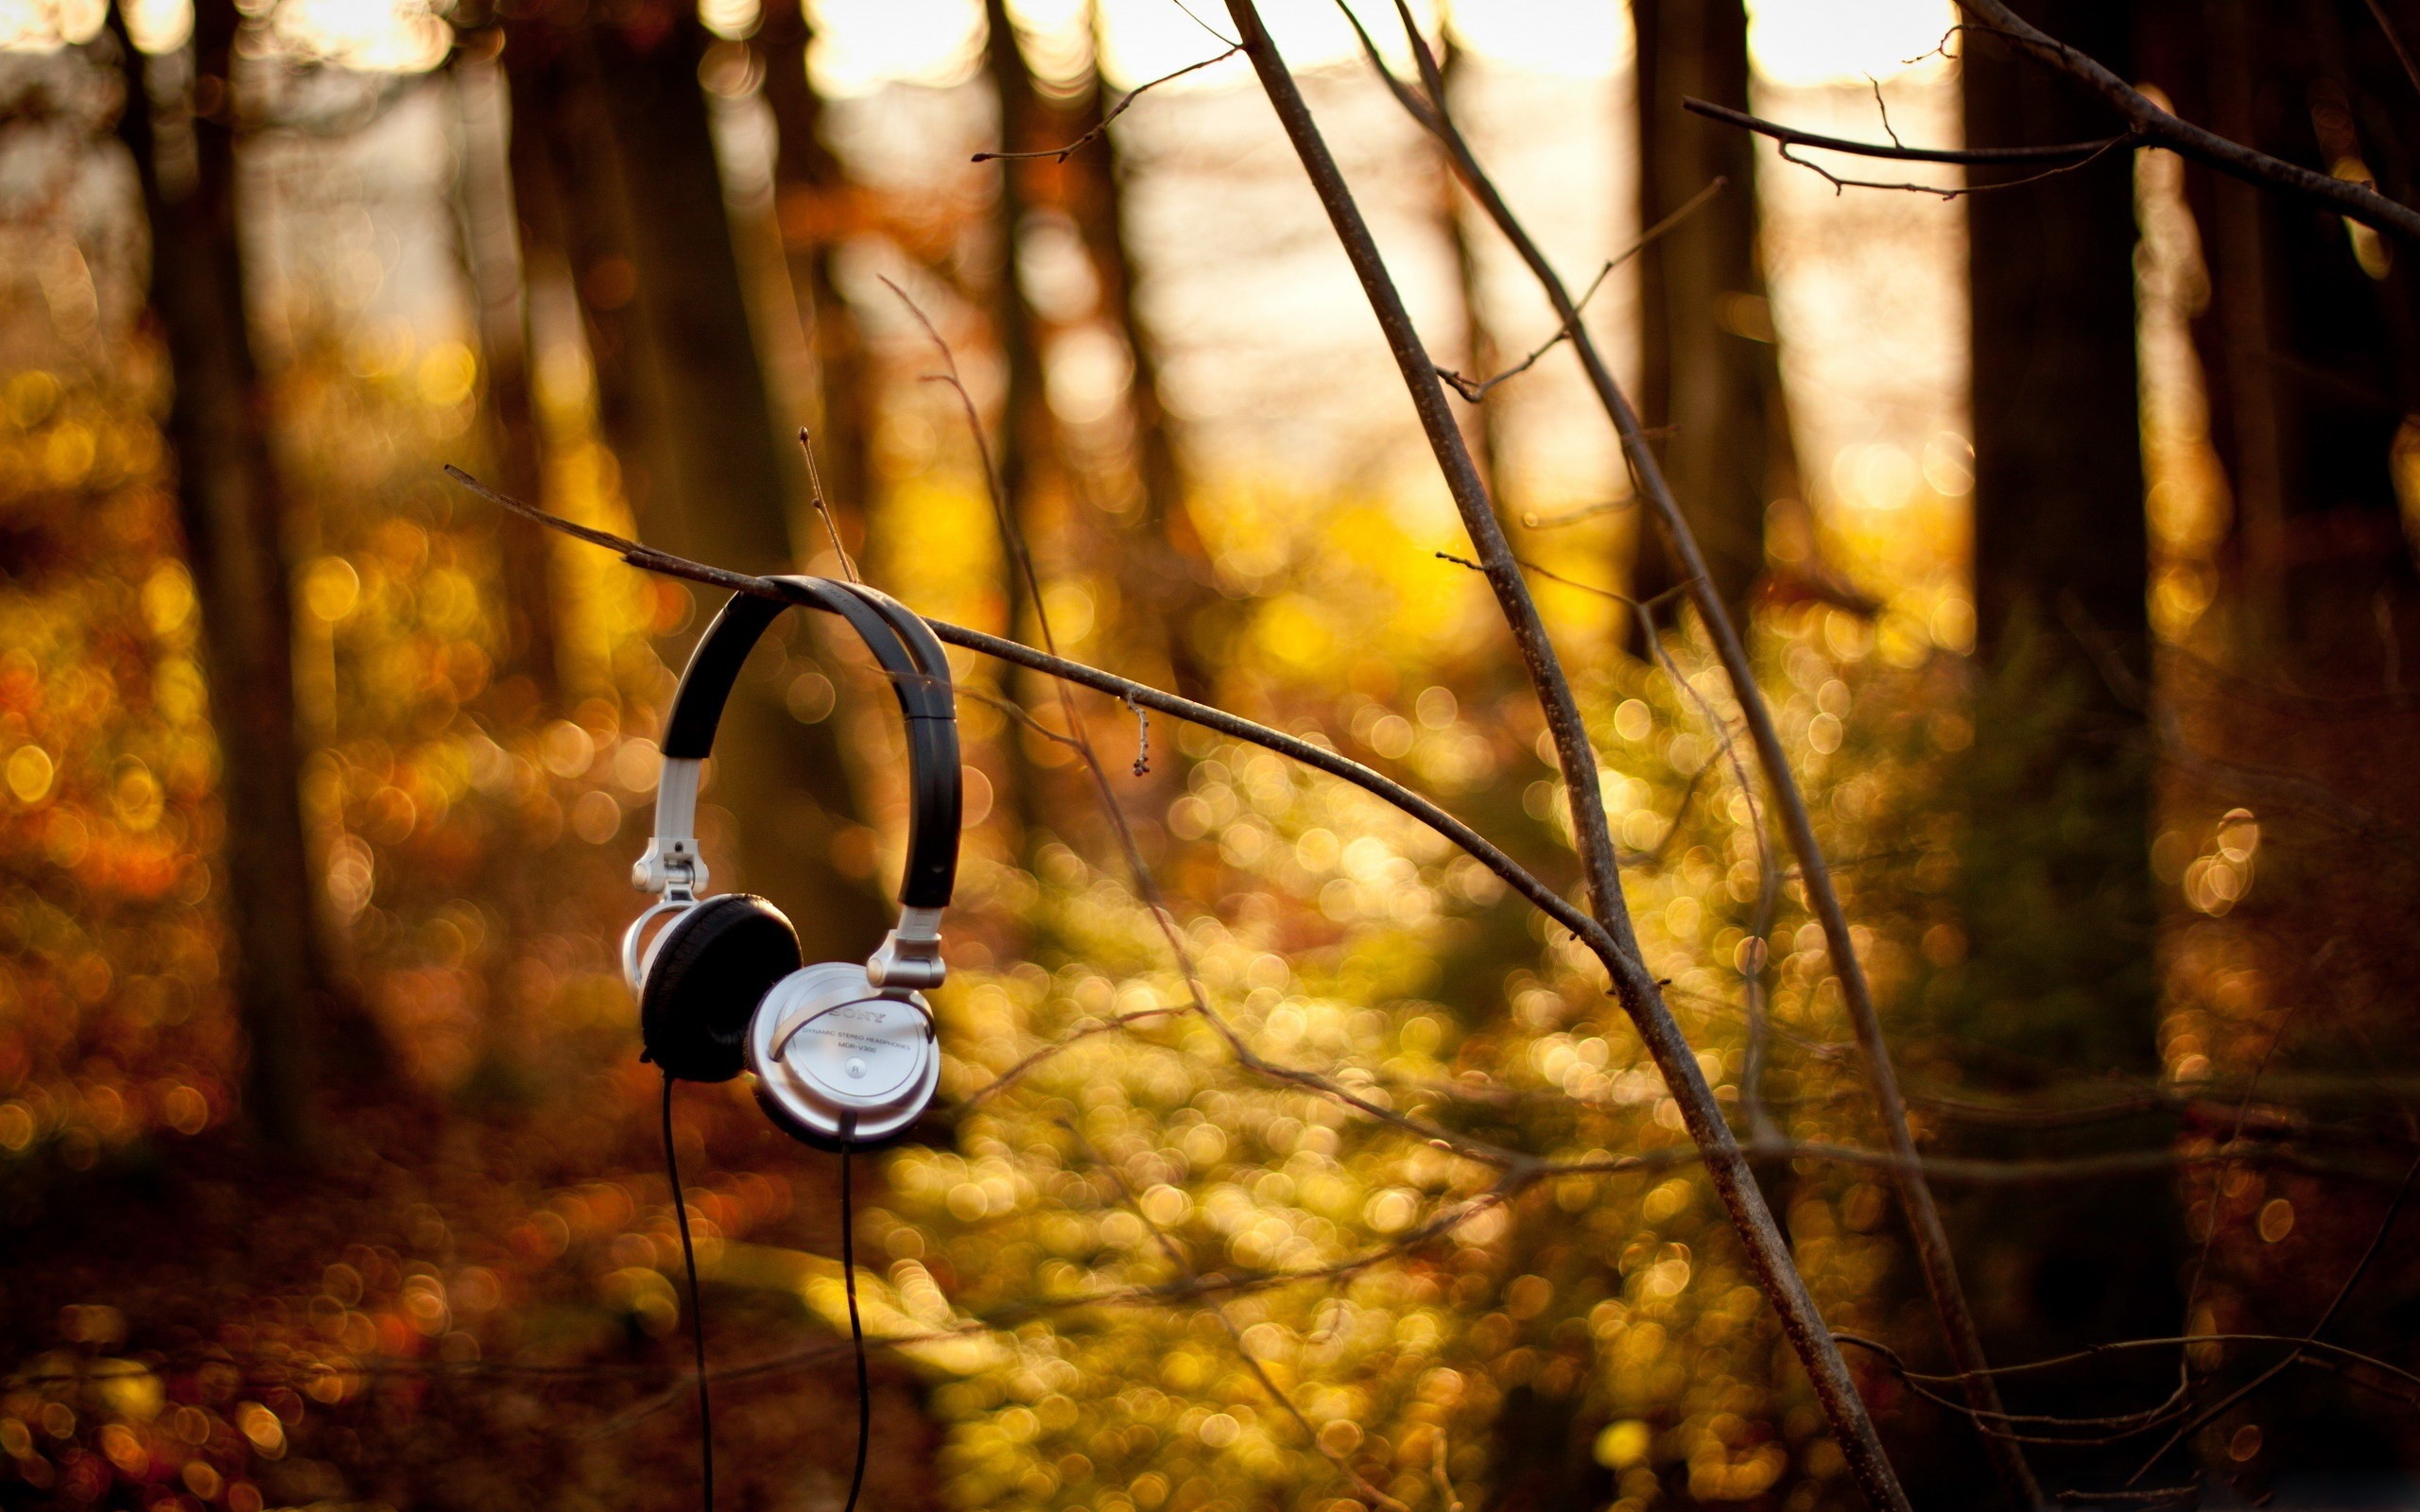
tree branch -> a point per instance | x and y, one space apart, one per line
1062 154
2158 127
1767 1252
648 558
1474 390
2071 153
1930 1238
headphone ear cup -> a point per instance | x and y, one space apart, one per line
714 966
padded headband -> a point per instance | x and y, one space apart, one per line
909 653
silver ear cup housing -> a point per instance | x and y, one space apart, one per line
836 1059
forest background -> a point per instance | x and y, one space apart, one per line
1287 1154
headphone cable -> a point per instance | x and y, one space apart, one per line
698 1320
857 1327
696 1310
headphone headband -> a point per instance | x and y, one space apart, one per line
909 653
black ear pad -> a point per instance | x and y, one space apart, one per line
715 964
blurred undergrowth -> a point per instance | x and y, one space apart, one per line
1094 1267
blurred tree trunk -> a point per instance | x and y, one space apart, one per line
1176 579
232 513
2056 885
491 259
2308 341
2059 565
660 281
1708 369
568 190
2308 353
812 207
1484 421
1026 445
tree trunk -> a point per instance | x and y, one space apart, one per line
1026 444
568 190
812 207
1175 579
2057 884
233 513
2309 355
1709 369
660 284
2060 561
492 258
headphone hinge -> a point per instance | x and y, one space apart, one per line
910 957
672 867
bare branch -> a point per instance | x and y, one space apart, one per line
1883 106
1062 154
823 508
1011 539
1319 757
1572 517
2158 127
2103 1351
2335 1305
1014 542
1475 389
2072 154
1142 738
1943 191
2065 157
2394 40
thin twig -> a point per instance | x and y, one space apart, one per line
1645 606
1756 947
1438 1471
2394 40
823 508
1012 539
2065 158
2072 154
2218 1188
1014 542
1943 191
1474 390
2335 1305
1183 1263
1020 550
1884 107
1572 517
1062 154
2097 1351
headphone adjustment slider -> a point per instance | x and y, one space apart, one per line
910 957
672 867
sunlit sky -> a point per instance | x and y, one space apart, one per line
865 43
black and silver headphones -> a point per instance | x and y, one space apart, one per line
843 1056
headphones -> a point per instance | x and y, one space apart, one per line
843 1056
